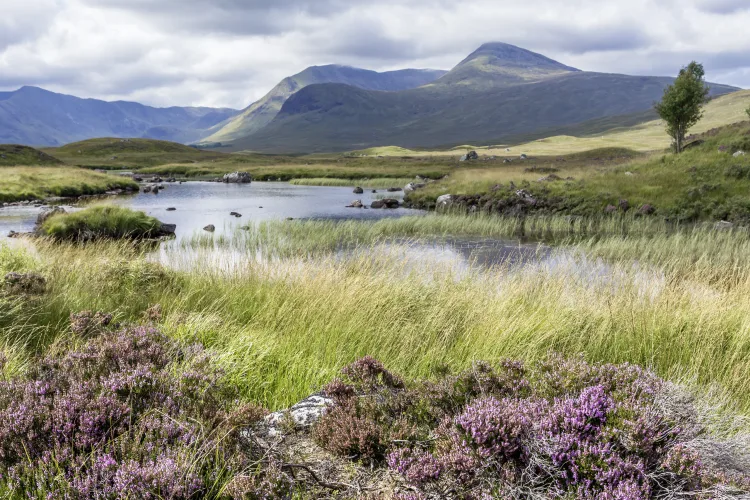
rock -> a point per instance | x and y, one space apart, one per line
235 214
13 234
237 178
147 189
646 209
444 200
46 214
470 156
358 190
377 204
30 283
737 154
723 225
394 190
526 197
524 157
374 191
624 205
629 173
610 209
137 178
171 209
507 160
210 228
302 415
391 203
413 186
171 179
355 204
167 229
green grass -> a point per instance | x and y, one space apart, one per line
701 183
31 183
101 222
682 310
12 155
378 182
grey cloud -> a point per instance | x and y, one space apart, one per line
599 39
723 6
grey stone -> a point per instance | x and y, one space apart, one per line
46 214
355 204
210 228
237 178
303 414
358 190
444 200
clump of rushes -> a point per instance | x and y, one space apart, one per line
101 222
561 428
129 414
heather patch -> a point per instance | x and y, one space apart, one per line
560 428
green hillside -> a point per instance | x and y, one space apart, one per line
113 153
13 154
333 117
262 112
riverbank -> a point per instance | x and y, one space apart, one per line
39 183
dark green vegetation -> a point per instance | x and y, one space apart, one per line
681 106
115 154
259 114
12 155
705 182
102 222
36 117
497 94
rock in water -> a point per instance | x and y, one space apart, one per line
394 189
358 190
235 214
46 214
167 229
210 228
171 209
377 204
391 203
237 178
355 204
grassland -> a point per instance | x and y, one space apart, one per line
36 183
101 222
12 155
377 182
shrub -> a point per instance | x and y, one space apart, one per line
104 222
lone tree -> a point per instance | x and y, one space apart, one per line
682 104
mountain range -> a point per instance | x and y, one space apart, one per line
498 93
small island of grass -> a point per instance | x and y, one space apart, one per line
104 222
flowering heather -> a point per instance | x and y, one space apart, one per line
562 428
128 414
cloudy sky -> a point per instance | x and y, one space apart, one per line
231 52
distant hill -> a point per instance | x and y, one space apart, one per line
12 155
117 153
37 117
489 109
262 112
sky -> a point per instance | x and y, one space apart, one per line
229 53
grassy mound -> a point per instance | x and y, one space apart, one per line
32 183
14 154
102 222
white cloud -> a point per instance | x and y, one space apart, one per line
230 52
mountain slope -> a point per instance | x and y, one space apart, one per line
37 117
500 64
262 112
498 93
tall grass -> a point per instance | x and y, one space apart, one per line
378 182
29 183
681 308
101 222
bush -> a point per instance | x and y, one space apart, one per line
104 222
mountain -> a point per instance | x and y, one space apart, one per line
498 93
259 114
37 117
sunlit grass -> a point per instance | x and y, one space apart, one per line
378 182
28 183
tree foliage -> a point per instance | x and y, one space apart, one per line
682 104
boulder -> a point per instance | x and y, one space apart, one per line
147 189
470 156
235 214
358 190
738 154
237 178
391 203
413 186
377 204
374 191
444 200
171 209
167 229
210 228
524 157
302 415
46 214
394 190
355 204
